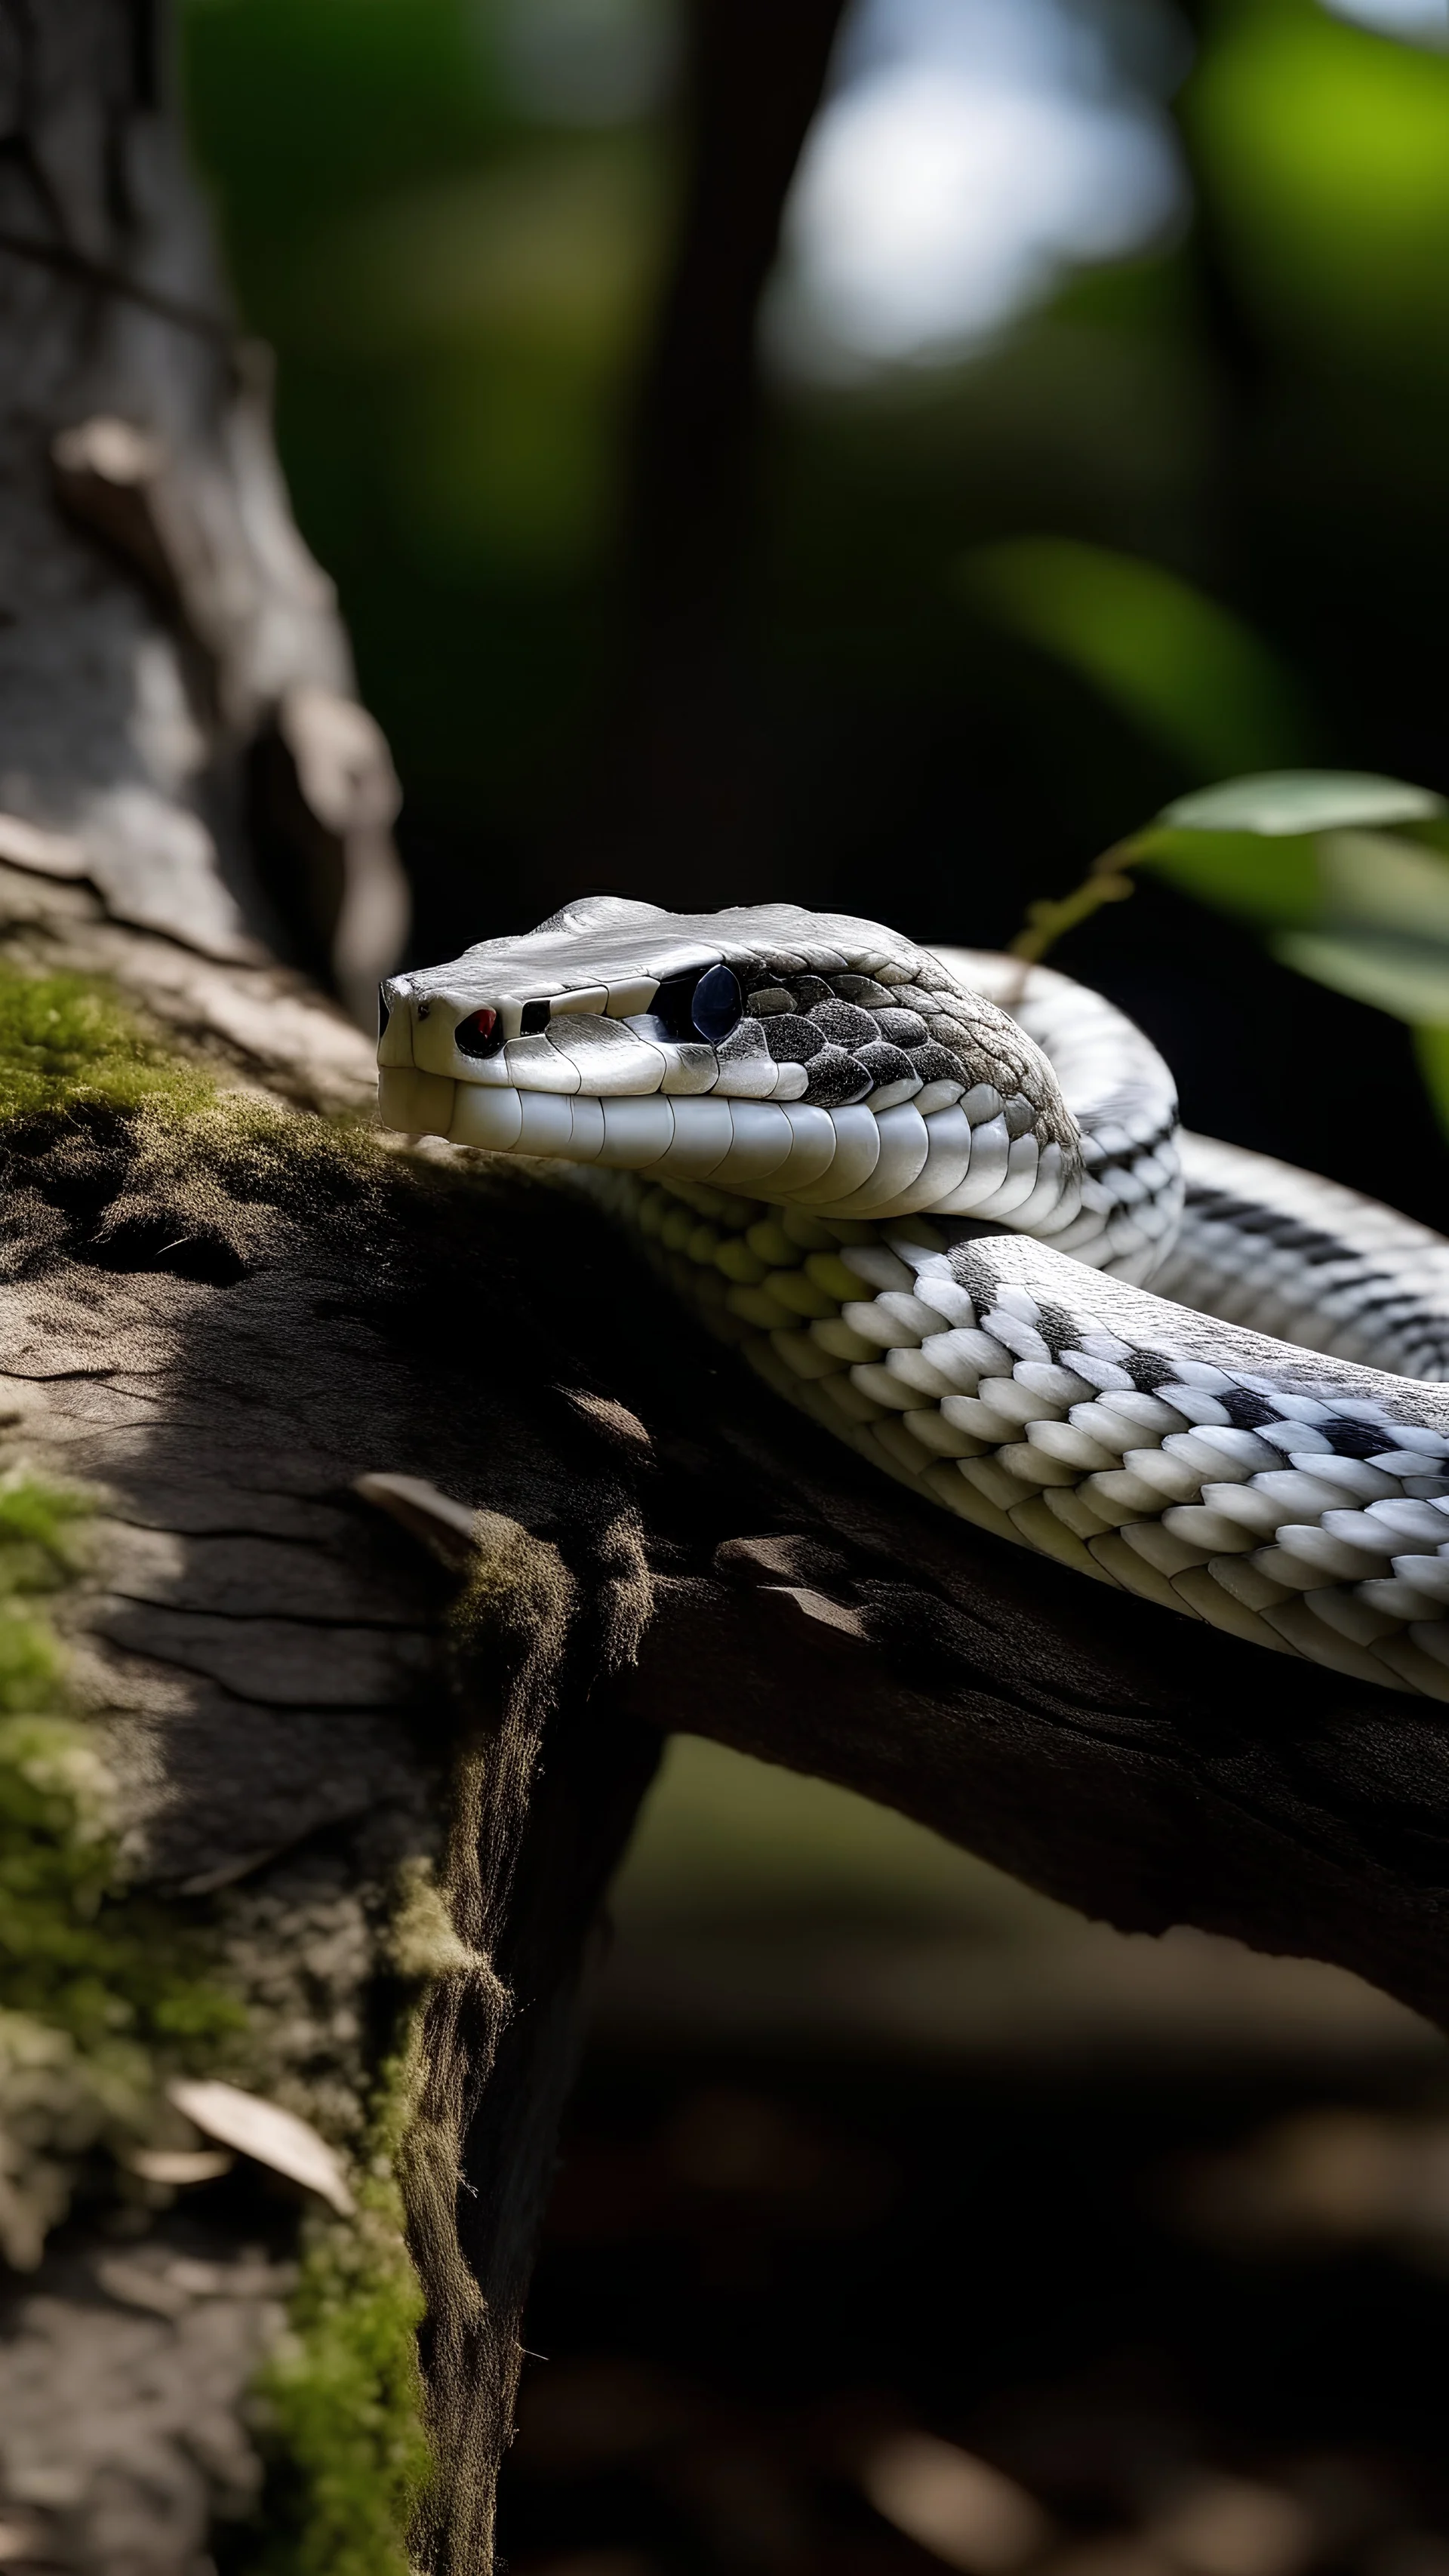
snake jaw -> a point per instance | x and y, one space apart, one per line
825 1060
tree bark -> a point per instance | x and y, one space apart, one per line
408 1531
172 665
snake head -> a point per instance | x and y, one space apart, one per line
765 1049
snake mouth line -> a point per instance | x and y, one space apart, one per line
854 1160
617 1000
821 1062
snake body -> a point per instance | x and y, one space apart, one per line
925 1192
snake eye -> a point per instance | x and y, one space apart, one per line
703 1005
478 1035
717 1004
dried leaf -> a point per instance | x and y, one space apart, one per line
268 2134
443 1525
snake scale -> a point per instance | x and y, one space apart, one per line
925 1192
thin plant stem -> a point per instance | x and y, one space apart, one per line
1050 918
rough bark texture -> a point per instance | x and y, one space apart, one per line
216 1323
169 646
375 1796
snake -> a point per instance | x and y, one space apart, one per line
942 1202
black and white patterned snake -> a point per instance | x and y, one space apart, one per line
925 1191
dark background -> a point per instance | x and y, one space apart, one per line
641 610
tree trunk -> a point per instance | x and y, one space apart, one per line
683 796
361 1534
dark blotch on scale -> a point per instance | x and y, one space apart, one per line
1359 1439
937 1064
836 1079
1245 1408
792 1040
886 1063
1059 1330
844 1024
903 1028
1148 1370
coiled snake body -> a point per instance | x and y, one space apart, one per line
925 1192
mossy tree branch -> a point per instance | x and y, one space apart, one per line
286 1803
317 1775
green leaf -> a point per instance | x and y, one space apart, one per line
1272 884
1407 977
1325 881
1431 1047
1308 858
1382 883
1184 669
1283 802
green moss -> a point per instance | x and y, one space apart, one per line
100 1995
64 1040
345 2396
74 1950
423 1939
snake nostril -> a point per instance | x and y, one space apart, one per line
479 1035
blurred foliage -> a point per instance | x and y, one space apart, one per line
1327 146
455 289
1190 674
1346 877
1185 518
725 1837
